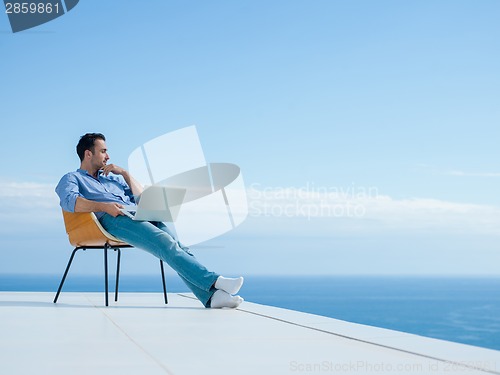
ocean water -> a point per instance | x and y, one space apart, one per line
465 310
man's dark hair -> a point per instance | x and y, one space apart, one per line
87 143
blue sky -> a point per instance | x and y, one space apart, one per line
400 97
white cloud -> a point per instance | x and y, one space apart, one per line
352 209
434 215
27 203
365 210
387 226
471 174
456 172
40 193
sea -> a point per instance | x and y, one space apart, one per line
459 309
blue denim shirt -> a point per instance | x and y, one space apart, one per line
110 188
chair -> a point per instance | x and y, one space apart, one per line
85 232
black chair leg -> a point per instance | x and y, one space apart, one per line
106 286
117 273
163 282
106 274
65 274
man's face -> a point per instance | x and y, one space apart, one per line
100 155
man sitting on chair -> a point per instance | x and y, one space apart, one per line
104 188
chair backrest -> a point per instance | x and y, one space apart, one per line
84 229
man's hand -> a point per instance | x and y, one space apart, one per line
113 209
112 168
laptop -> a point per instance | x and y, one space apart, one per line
157 203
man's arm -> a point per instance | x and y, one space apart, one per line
71 200
67 190
85 205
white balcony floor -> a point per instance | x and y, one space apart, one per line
140 335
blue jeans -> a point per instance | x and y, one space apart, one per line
155 238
